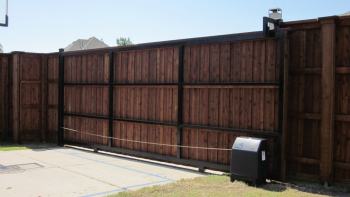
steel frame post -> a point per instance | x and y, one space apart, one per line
60 131
110 98
281 35
180 100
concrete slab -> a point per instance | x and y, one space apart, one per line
70 172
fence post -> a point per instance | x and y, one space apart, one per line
8 97
180 100
328 27
283 61
3 94
5 78
60 131
110 98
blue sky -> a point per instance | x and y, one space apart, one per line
47 25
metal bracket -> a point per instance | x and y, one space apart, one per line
266 30
6 24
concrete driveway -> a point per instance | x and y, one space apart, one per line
71 172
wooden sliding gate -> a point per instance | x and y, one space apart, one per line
179 101
186 101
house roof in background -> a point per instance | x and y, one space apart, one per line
83 44
345 14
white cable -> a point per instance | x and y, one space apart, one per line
142 142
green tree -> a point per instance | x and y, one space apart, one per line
124 41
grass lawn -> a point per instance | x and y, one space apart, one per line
12 147
220 186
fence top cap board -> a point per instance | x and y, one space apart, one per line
315 20
24 52
172 43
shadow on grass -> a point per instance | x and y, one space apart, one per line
274 187
303 186
307 187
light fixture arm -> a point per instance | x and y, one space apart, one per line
6 24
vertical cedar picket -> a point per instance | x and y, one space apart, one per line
180 100
60 137
328 84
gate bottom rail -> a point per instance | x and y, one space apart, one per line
164 158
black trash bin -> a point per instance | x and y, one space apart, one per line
248 160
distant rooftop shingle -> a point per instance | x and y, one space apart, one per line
345 14
83 44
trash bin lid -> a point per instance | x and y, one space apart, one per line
247 144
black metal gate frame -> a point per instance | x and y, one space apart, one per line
180 86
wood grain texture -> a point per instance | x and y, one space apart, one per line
304 92
327 113
341 155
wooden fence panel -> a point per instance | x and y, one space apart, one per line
304 105
52 97
4 95
157 65
88 127
244 108
229 106
29 97
86 99
145 101
318 101
342 108
145 133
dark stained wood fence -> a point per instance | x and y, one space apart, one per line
229 89
245 106
196 92
318 104
4 95
304 101
27 97
86 99
51 116
341 136
27 92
